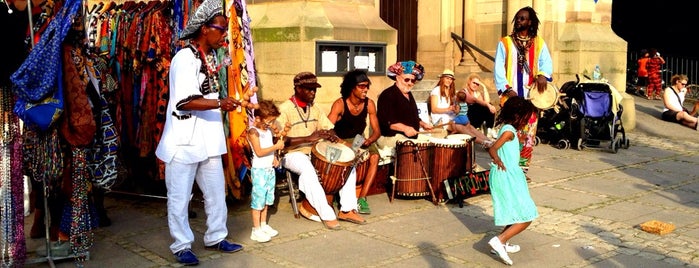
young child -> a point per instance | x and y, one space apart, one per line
513 206
461 109
264 160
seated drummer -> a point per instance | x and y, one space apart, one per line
349 113
397 110
308 126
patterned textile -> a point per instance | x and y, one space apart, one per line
207 10
409 67
102 159
518 72
79 126
37 77
42 114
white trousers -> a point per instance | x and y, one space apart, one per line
309 184
179 180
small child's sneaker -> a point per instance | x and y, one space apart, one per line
259 235
269 230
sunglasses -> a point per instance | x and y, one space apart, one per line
409 80
475 83
684 84
363 86
268 122
220 28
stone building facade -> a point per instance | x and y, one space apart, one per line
285 33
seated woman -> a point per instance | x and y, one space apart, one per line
673 98
443 109
480 111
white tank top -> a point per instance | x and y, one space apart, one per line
264 161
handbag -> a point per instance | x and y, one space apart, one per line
42 114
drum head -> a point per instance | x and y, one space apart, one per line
544 100
438 141
463 137
346 153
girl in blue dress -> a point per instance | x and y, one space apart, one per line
513 206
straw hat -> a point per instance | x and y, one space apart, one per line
448 73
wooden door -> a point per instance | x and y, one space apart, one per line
402 15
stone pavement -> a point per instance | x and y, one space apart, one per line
591 203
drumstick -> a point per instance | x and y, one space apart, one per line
441 125
433 129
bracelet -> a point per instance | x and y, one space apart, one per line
219 103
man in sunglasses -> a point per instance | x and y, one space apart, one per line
397 110
523 63
193 139
349 113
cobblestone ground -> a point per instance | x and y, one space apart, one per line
580 195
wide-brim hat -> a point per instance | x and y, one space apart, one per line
408 67
306 79
205 12
447 73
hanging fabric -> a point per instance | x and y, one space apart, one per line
240 82
38 76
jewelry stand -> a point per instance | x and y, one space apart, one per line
47 223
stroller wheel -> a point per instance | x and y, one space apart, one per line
563 144
537 140
626 143
614 145
579 144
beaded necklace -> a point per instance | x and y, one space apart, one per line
298 110
12 246
81 236
209 68
522 44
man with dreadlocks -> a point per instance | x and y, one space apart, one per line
522 61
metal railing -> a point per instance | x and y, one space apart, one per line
463 44
673 65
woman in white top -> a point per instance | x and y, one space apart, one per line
443 108
673 98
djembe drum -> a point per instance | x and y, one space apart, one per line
413 166
449 161
333 163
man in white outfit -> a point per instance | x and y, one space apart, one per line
193 139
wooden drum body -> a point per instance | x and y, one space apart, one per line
413 166
332 174
450 159
362 166
470 155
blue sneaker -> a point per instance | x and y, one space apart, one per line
186 257
225 246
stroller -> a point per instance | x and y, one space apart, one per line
554 116
595 121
